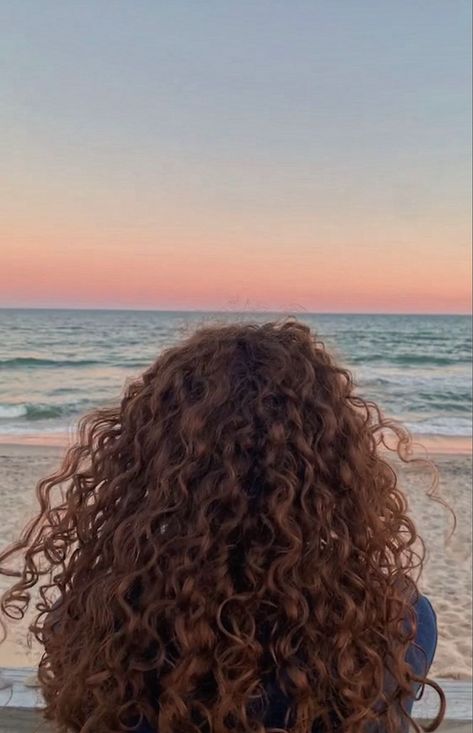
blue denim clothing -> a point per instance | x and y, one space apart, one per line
419 656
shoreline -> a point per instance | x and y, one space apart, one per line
431 444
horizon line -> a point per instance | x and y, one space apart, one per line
228 311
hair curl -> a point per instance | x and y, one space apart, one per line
230 529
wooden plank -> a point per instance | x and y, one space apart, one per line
30 722
459 701
20 704
24 721
18 694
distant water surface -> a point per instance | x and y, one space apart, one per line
57 364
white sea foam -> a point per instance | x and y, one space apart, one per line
450 426
10 412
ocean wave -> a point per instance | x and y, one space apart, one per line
26 429
416 391
32 363
8 412
32 412
407 360
456 426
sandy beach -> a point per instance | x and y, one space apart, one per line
447 574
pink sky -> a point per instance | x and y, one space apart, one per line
192 270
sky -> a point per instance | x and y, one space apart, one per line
280 155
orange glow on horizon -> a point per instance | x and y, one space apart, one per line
43 273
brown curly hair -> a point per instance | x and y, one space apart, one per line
232 527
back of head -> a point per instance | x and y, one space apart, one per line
231 529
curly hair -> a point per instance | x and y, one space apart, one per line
232 527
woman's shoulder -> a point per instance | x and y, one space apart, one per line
424 610
426 631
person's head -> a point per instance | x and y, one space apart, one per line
231 525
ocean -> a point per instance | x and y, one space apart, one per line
57 364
